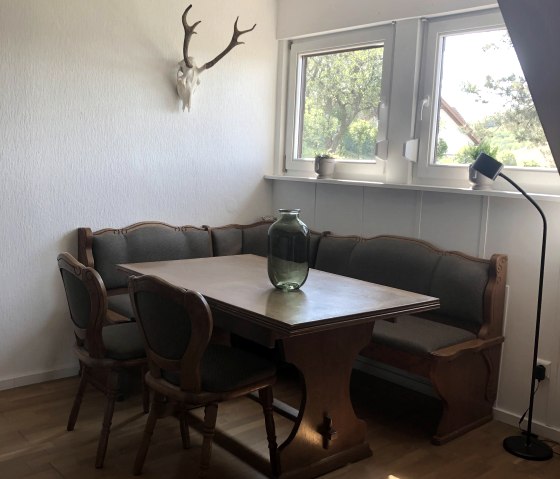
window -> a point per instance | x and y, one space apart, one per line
340 95
479 100
337 95
451 87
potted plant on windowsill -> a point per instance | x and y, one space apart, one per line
324 165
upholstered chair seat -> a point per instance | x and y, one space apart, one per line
225 369
123 341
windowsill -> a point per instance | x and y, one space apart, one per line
414 187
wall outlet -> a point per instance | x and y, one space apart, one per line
547 364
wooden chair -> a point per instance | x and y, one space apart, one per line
104 351
187 371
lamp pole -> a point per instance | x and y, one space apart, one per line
526 446
529 447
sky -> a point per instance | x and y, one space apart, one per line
467 61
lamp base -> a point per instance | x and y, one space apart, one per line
534 450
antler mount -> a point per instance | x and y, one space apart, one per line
188 73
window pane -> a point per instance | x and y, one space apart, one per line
339 100
485 104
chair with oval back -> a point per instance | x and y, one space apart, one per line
188 371
102 350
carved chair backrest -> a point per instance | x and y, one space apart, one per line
176 325
87 302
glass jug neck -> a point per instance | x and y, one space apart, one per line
289 212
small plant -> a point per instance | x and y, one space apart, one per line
320 156
469 153
441 148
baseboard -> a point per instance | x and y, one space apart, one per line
541 430
38 377
395 375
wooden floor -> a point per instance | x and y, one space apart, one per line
34 443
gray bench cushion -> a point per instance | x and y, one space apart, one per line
255 240
459 282
402 264
123 341
395 262
418 335
251 239
333 255
120 303
227 241
240 239
149 243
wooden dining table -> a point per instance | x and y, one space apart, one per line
320 329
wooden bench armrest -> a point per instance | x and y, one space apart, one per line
472 346
85 241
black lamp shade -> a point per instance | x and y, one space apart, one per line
487 166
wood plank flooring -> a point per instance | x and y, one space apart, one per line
34 443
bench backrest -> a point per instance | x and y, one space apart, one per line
471 290
251 239
240 239
147 241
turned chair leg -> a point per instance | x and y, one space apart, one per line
78 400
265 396
112 389
210 415
145 391
158 406
185 436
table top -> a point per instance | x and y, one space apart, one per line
239 285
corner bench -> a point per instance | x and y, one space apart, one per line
457 348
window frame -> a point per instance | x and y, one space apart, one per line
343 41
427 111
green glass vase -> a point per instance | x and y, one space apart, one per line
288 251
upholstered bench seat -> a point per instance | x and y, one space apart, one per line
418 335
120 304
123 341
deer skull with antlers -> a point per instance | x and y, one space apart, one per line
188 73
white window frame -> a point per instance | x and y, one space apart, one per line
428 101
367 37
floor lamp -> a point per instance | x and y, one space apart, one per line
526 446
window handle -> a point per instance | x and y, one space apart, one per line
425 104
381 149
381 107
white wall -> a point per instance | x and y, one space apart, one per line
92 134
474 224
300 18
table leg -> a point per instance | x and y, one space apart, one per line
327 434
